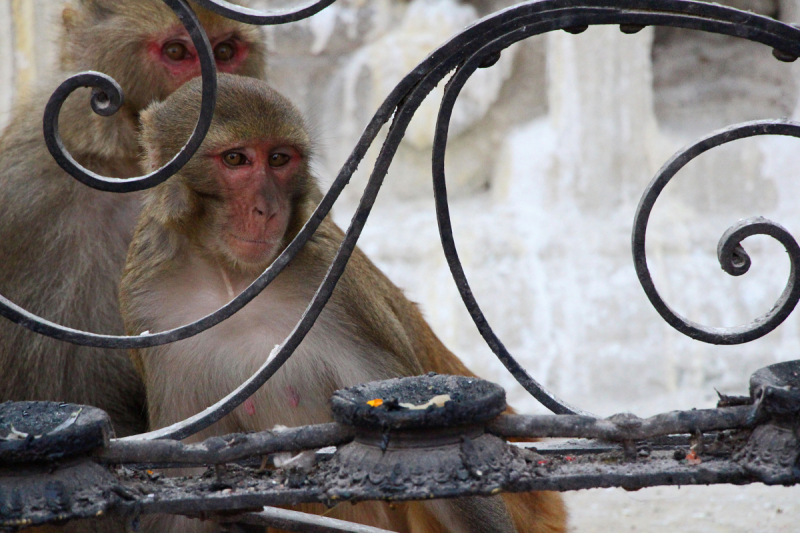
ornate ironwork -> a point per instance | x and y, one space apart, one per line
373 452
770 412
732 257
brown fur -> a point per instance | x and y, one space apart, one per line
64 244
368 330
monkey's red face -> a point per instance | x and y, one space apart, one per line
176 53
257 183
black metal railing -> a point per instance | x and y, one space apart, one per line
630 452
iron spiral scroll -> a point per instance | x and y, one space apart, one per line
477 46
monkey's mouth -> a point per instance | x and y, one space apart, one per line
251 241
250 250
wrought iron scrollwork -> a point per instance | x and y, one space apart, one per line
732 257
108 97
478 46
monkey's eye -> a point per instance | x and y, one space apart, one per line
175 50
225 51
278 160
234 159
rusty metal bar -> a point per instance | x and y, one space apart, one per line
228 449
622 427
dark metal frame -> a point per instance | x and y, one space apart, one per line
478 46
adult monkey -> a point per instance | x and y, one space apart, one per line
208 232
63 245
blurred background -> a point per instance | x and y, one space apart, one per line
549 153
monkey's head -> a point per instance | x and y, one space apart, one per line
239 196
143 45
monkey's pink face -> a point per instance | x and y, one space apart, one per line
176 53
257 182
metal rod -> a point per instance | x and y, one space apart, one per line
217 450
303 522
622 427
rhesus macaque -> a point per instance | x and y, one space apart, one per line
63 245
208 232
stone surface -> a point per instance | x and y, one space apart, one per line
714 509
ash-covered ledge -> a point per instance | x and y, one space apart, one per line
617 428
404 439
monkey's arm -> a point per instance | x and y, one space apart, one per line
472 514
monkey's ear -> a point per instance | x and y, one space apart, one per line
173 199
148 134
79 13
70 17
174 203
74 23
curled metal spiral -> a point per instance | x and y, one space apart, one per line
108 97
732 256
477 46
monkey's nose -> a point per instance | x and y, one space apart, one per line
258 212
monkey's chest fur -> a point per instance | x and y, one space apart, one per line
185 377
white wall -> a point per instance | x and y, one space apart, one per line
28 37
6 61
